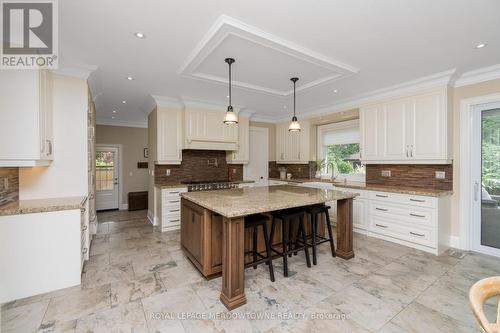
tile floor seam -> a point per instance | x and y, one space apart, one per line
414 299
44 314
144 312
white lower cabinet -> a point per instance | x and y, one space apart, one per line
170 217
416 221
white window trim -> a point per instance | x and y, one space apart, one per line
357 177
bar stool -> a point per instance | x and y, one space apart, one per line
314 212
255 221
287 218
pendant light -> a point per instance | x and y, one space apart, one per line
231 117
294 125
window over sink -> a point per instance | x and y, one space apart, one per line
338 149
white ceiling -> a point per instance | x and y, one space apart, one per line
353 46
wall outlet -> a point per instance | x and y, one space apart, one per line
440 175
167 172
386 173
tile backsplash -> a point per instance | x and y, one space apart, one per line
297 170
414 175
199 165
11 193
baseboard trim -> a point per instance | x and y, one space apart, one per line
454 242
124 207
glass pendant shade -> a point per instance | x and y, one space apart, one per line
231 117
294 125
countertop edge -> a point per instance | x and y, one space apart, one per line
10 210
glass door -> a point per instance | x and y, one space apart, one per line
490 178
107 186
486 177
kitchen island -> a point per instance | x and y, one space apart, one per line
213 228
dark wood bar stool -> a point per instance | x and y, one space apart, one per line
255 221
287 219
314 213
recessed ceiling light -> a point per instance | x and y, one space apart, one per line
227 96
140 35
114 111
113 117
124 102
130 78
335 91
480 46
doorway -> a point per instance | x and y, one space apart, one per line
258 166
107 177
485 173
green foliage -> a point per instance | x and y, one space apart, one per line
319 164
491 150
339 156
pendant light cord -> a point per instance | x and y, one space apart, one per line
294 98
230 85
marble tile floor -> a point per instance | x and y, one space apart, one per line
138 280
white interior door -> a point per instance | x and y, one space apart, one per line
107 178
258 165
485 172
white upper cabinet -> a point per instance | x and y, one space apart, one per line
242 154
205 129
26 118
169 137
292 147
413 130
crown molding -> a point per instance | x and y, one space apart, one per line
168 102
478 76
442 79
122 123
81 71
196 103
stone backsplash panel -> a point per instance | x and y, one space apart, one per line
199 165
297 170
415 175
11 193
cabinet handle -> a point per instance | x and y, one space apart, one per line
298 155
381 209
50 146
407 152
84 250
411 151
381 196
416 215
416 234
174 192
174 201
84 228
380 225
174 210
176 220
417 200
83 209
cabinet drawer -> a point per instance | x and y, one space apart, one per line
387 227
171 201
171 220
172 192
414 200
405 213
172 210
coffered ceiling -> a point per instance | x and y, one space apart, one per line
340 50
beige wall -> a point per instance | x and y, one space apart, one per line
272 137
133 141
458 94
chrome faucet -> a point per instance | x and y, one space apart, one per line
332 165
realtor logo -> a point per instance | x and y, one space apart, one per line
29 34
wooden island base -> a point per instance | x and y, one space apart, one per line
216 244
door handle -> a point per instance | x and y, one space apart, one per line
476 190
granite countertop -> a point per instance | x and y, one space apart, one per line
253 200
43 205
174 185
381 188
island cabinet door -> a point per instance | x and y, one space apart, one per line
191 230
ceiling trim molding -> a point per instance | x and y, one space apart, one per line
195 103
441 79
226 26
81 71
478 76
168 102
122 123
